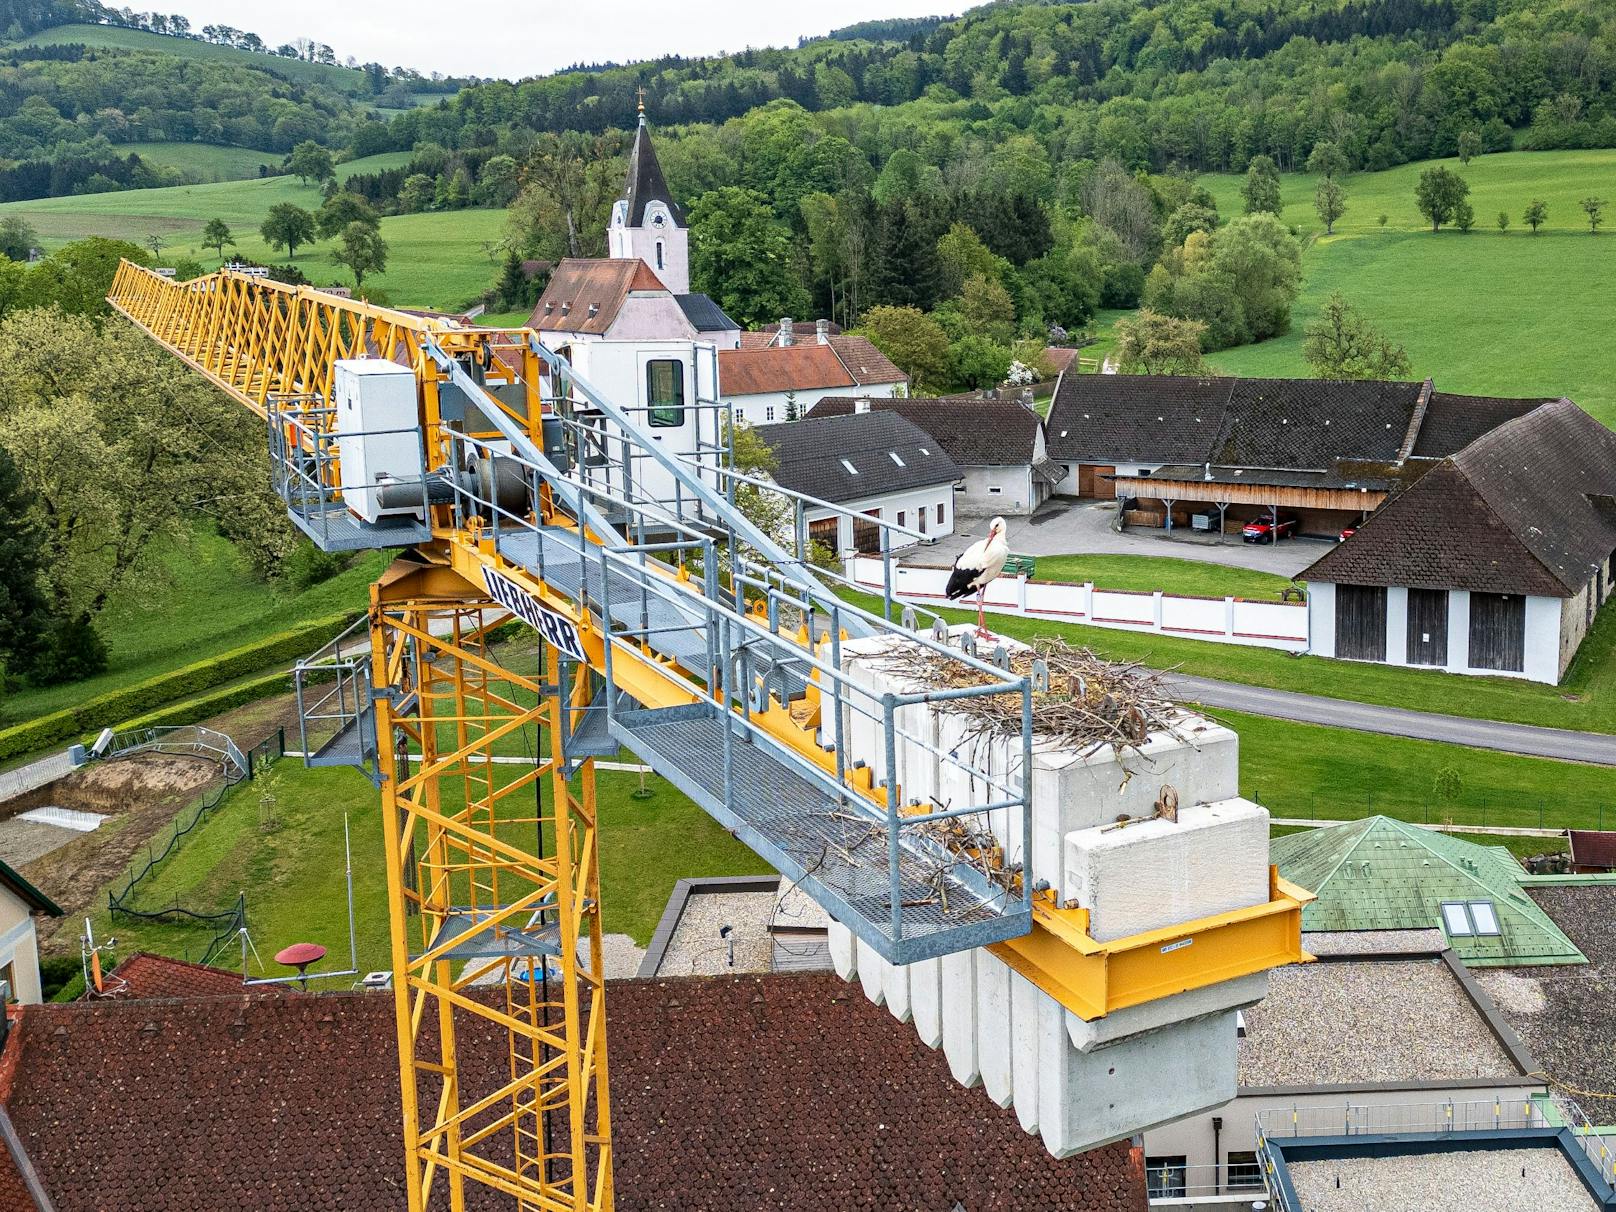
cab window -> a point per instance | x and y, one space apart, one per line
665 391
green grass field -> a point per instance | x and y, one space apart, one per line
205 162
1192 577
1508 314
1312 772
201 600
293 873
436 260
342 79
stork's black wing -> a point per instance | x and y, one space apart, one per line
962 581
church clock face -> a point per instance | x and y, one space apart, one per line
658 220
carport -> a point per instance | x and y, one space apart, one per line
1322 503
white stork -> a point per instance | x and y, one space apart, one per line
977 565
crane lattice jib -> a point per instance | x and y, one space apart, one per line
679 631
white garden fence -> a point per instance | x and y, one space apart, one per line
1280 625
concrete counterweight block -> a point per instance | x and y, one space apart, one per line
872 973
960 1016
926 1001
995 1026
1151 874
843 950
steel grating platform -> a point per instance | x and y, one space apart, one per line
353 744
333 528
838 854
552 555
474 939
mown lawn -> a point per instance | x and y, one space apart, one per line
1308 771
1508 314
436 259
1166 573
292 872
200 600
1584 700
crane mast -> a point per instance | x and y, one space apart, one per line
671 625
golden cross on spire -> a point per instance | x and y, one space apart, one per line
641 92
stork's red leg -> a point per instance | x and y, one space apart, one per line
981 622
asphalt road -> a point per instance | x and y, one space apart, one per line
1593 747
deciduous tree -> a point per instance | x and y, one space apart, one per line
1149 343
1438 194
914 341
1594 208
311 162
341 209
362 250
288 226
1537 214
1261 190
1330 200
742 257
216 235
1341 343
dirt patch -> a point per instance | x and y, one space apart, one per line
138 795
253 723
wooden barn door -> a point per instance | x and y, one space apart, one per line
1427 626
1360 622
1089 483
1498 631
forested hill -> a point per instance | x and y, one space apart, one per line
1204 84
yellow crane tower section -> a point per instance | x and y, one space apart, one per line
492 866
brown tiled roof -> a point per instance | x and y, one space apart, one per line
1453 422
1060 357
802 368
864 361
1529 507
144 975
579 284
975 431
787 1091
19 1185
1136 418
1593 847
801 330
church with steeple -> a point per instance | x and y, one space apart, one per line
647 223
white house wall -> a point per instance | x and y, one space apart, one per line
1549 646
755 409
990 491
910 504
19 947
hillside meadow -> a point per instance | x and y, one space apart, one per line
435 260
1485 312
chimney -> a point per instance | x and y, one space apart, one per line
822 331
861 406
787 335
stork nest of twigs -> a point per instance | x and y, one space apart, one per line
1079 699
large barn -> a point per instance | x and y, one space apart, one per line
1215 453
1495 561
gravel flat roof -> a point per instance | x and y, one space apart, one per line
697 949
1352 1021
1566 1013
1372 942
1488 1180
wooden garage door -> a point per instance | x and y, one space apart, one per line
1089 483
1360 622
1498 631
1427 626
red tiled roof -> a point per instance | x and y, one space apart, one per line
144 975
858 355
579 284
750 372
1059 356
778 1092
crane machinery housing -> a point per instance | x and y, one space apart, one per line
671 625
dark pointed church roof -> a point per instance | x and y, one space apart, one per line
645 183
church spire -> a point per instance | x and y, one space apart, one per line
645 183
647 223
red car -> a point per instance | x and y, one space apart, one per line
1346 534
1265 530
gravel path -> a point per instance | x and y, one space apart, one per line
1483 1181
1396 1020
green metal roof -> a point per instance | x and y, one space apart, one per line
1382 874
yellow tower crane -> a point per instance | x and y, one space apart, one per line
670 625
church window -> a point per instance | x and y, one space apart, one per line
659 258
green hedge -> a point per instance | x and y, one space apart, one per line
147 696
206 706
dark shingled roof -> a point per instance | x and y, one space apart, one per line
1529 507
1311 423
704 314
1453 422
976 432
1136 418
763 1093
813 456
645 183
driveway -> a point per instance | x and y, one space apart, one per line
1063 526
